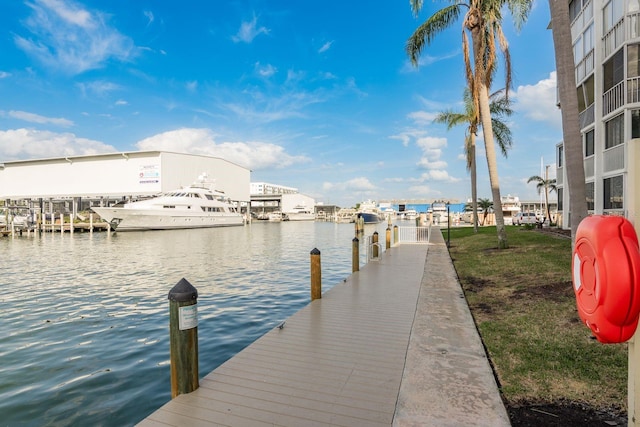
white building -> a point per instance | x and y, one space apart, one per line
118 175
606 41
264 188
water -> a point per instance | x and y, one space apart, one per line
84 323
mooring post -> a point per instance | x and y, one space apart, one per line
183 334
355 255
388 236
375 246
395 234
316 275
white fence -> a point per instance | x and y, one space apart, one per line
413 234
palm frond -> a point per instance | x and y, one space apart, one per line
434 25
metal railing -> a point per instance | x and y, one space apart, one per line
418 234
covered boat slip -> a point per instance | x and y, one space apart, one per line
394 344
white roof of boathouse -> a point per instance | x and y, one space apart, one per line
118 174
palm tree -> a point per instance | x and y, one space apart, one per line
485 205
546 185
499 108
483 21
572 141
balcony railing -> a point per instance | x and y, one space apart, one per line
614 38
614 158
585 67
633 90
589 167
613 98
587 116
634 25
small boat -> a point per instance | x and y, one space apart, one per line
346 215
410 214
299 213
370 213
275 216
195 206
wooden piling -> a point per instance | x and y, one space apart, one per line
395 234
183 333
355 255
388 237
316 275
375 245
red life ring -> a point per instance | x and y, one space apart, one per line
606 277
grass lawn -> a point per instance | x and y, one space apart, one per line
523 303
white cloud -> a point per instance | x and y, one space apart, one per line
422 117
30 144
325 47
4 74
265 70
253 155
98 87
538 102
355 184
36 118
69 38
120 102
149 15
248 31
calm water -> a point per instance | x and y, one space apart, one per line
84 323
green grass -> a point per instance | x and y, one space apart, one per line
523 303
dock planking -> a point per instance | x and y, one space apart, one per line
338 361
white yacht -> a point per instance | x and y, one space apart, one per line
410 214
300 213
510 207
196 206
370 213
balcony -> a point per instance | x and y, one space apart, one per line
613 98
586 116
614 38
585 67
614 158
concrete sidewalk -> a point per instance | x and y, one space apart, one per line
447 380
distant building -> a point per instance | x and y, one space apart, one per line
92 180
264 188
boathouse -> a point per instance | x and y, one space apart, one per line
96 179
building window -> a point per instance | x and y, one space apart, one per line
611 14
560 152
589 143
635 123
588 190
613 192
560 205
614 132
614 70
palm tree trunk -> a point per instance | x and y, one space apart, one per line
565 68
492 164
474 182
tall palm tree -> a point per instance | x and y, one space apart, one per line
572 141
483 21
547 185
499 108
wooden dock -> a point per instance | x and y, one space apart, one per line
347 359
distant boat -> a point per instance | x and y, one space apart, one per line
275 216
195 206
346 215
299 213
410 214
370 213
510 207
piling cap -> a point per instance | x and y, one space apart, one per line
183 291
315 251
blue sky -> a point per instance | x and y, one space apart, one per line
317 96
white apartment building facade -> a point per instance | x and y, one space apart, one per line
606 45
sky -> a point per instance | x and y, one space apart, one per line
321 97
